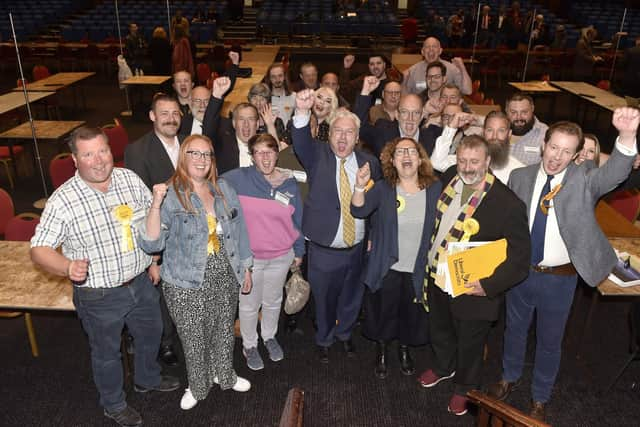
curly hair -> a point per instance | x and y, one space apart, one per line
425 170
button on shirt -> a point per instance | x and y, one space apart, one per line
82 221
172 150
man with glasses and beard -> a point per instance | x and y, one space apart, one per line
410 116
527 131
459 326
283 100
496 131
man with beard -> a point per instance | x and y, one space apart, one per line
331 81
154 158
283 100
192 124
337 241
410 116
459 326
566 240
496 131
378 67
388 108
527 131
414 76
308 78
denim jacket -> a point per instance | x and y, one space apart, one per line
184 236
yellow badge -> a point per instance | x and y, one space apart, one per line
400 203
124 214
470 227
213 245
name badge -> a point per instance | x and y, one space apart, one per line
300 176
282 198
421 85
532 150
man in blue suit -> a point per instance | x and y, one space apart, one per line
566 240
337 240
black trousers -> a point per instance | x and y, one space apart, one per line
458 344
391 313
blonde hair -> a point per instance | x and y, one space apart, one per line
334 101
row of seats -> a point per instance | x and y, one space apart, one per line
31 16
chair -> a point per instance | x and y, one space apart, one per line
477 98
604 84
118 141
21 228
40 72
492 67
293 412
475 86
493 412
7 211
626 202
61 168
6 159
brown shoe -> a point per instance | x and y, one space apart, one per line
500 390
537 410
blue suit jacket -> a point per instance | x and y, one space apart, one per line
322 207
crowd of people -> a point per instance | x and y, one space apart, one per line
210 213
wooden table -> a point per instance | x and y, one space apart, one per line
482 109
613 223
24 286
593 94
56 82
534 87
402 61
12 100
145 80
45 130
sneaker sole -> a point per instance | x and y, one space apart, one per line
148 390
276 359
438 381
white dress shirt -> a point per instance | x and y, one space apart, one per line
244 158
196 127
172 150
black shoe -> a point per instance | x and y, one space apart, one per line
167 383
323 354
381 360
128 417
406 361
167 356
348 348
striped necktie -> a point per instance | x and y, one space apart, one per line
348 223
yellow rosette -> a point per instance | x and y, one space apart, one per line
400 203
124 214
470 227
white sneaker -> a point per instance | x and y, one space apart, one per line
241 385
188 401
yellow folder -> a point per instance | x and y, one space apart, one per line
474 264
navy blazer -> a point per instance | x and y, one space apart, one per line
322 206
376 136
384 233
149 160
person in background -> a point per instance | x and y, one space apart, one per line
405 202
197 222
272 205
135 46
591 151
260 97
160 52
182 59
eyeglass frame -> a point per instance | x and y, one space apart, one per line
199 155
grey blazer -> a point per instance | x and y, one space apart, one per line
589 249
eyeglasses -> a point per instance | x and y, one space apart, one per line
350 133
202 102
197 155
434 76
405 114
409 151
264 153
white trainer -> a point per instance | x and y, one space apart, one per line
188 401
241 385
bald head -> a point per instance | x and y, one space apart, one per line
431 49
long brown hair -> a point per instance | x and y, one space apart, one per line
182 182
425 170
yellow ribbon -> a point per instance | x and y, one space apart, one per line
470 226
124 214
548 198
213 245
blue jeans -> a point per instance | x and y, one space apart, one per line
104 312
551 297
